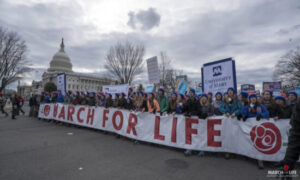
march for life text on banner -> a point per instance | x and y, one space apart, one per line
263 140
61 83
218 76
153 71
113 89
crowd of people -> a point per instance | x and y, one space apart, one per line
13 103
241 106
230 104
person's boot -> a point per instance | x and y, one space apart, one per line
227 156
260 164
201 154
188 152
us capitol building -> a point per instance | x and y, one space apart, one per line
61 63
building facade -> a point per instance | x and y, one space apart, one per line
61 63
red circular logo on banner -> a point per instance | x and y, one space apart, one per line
46 110
266 138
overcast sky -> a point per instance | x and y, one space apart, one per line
255 33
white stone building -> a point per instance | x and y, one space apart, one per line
61 63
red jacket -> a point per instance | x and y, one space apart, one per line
21 101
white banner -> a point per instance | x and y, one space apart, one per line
218 76
61 83
263 140
153 71
113 89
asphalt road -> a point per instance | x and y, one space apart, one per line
37 149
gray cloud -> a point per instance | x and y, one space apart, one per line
249 34
148 19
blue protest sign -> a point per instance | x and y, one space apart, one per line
183 86
149 89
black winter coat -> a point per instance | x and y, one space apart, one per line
293 149
192 107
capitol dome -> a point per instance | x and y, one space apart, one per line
60 61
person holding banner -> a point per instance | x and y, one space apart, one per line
144 107
60 97
162 101
173 103
152 104
244 101
47 98
192 105
130 104
139 101
231 105
269 103
210 99
283 111
76 98
101 102
180 103
68 98
292 98
108 101
206 108
91 99
122 101
217 103
116 101
53 97
254 109
83 100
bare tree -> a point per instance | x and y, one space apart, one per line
125 61
12 57
164 66
287 69
167 72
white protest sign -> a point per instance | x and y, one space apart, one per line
153 71
113 89
218 76
61 83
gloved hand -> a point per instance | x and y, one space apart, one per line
258 117
187 115
239 117
203 116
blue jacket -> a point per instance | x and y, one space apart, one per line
261 110
46 99
60 98
103 103
178 109
234 108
